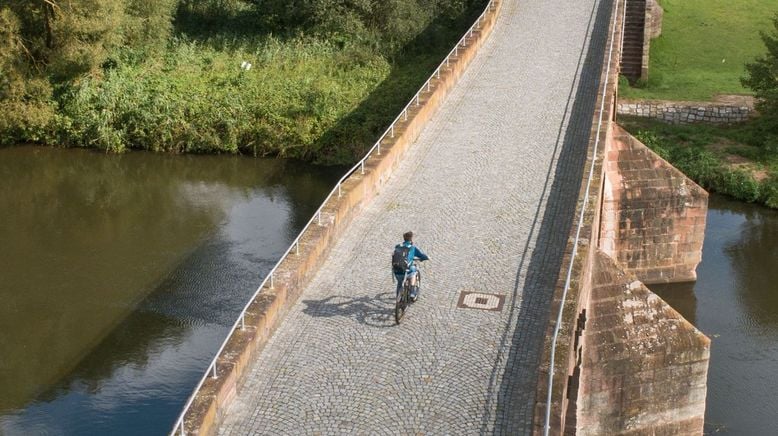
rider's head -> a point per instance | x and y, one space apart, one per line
408 236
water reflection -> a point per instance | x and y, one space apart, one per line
120 275
680 296
754 259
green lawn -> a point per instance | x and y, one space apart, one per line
703 48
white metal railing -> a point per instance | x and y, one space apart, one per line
317 216
547 425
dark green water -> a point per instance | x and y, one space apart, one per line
735 303
120 276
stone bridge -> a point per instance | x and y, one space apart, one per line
506 149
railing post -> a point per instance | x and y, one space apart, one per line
405 114
214 367
456 50
363 166
378 148
339 194
417 99
271 280
243 322
428 86
392 130
319 214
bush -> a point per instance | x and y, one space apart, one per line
652 141
770 192
761 78
199 100
738 184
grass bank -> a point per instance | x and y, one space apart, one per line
324 80
718 158
703 48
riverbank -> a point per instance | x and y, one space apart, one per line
718 158
315 82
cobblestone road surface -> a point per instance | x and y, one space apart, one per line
489 189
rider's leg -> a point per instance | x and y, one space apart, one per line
414 288
399 278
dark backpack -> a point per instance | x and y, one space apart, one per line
400 259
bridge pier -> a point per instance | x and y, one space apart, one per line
653 216
643 367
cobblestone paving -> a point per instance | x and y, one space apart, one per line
489 190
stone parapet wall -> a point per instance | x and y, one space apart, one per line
653 216
267 311
644 367
685 112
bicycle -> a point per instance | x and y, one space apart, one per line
404 297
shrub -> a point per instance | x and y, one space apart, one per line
770 191
739 184
652 141
762 78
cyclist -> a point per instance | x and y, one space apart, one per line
409 252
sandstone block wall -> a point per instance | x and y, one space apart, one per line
653 216
644 367
680 112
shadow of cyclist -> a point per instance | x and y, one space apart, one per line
374 311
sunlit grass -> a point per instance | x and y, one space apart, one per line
703 48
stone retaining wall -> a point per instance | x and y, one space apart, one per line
685 112
271 305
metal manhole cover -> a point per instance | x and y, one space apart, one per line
479 300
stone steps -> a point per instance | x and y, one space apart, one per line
632 46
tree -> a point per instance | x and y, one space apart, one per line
762 78
147 24
393 22
25 105
51 44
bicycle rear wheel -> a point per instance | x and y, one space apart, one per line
401 304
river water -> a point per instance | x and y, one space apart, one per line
120 276
735 303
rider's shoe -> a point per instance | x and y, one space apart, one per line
414 294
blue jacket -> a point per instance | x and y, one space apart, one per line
412 253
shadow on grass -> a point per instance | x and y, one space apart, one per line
205 24
354 134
